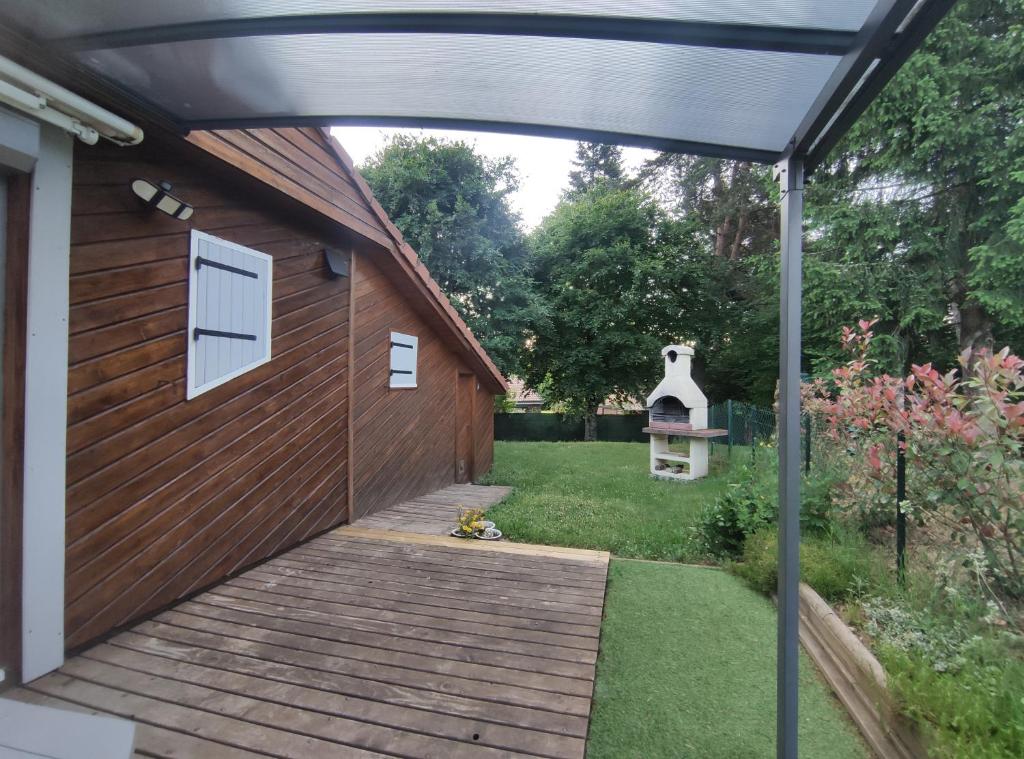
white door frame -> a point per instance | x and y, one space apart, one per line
46 397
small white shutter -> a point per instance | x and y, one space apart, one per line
229 310
403 359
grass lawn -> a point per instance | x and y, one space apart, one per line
687 661
598 495
687 669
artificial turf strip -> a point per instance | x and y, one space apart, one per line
600 495
687 669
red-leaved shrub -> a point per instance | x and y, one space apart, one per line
964 444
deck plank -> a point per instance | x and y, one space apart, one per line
434 513
312 691
434 586
386 589
173 715
383 682
480 569
422 566
573 567
597 557
149 739
381 600
342 736
428 655
566 645
383 639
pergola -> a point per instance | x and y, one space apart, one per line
770 82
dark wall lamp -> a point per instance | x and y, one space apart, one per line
159 196
337 262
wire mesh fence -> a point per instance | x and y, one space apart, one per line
745 425
753 427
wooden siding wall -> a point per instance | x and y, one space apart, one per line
167 496
483 431
299 163
404 439
13 423
303 165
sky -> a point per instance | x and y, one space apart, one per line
544 163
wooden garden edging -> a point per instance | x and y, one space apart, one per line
857 679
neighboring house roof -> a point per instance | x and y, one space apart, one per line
521 394
344 197
629 405
524 396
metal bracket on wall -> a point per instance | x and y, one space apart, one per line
201 262
199 332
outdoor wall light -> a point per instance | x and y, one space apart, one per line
159 196
337 262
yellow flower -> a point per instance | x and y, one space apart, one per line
469 520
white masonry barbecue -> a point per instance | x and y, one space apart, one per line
678 409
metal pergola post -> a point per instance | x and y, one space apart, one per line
790 173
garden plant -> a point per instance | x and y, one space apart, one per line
948 630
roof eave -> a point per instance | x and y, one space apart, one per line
417 269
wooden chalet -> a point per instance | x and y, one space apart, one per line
277 364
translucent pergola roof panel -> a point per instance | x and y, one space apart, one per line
61 18
660 90
747 79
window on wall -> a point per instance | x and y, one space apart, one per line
229 309
403 359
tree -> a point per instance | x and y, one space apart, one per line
918 219
943 146
596 165
725 250
734 201
451 205
596 258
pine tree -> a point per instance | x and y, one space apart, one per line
596 165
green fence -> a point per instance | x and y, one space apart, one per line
627 428
557 427
551 427
744 424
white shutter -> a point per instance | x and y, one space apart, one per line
229 310
403 359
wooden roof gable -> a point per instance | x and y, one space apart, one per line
310 166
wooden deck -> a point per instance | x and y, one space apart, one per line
434 513
361 643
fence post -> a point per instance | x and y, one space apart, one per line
728 423
753 434
901 517
807 443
